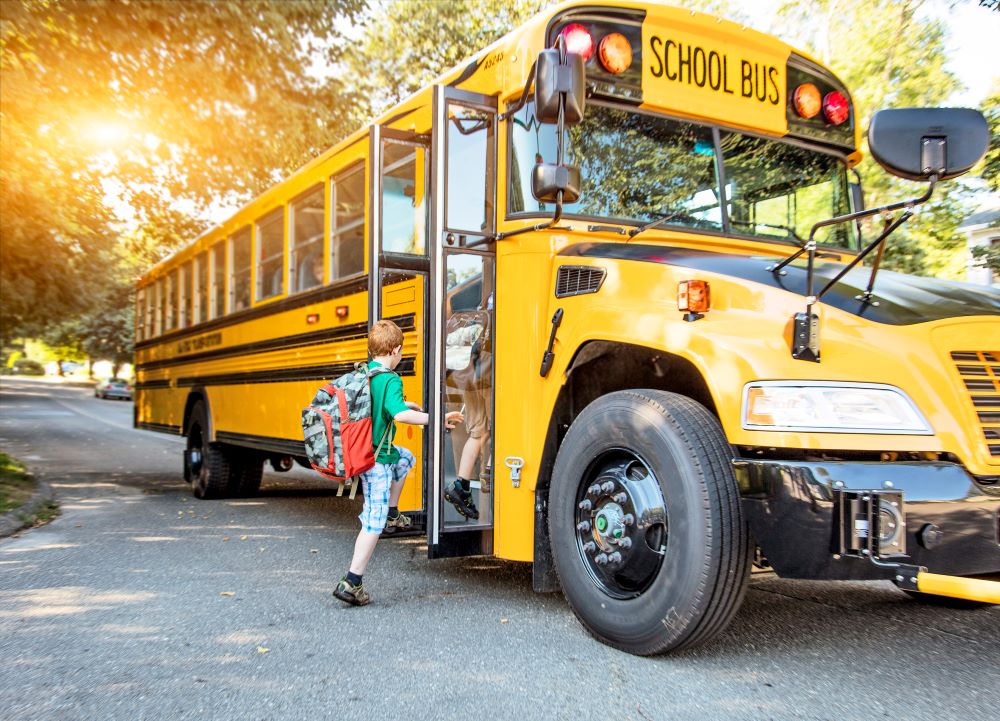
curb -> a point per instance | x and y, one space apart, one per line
15 520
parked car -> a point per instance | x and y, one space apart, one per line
28 367
114 388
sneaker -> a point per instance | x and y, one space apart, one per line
399 523
461 499
349 593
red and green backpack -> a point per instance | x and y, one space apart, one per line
338 425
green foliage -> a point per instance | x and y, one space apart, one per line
889 54
152 103
990 171
407 43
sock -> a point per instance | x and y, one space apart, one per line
393 512
464 483
353 579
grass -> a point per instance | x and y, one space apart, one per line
16 487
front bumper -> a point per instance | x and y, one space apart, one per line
790 508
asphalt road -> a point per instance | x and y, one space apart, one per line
140 602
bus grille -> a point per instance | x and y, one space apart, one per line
980 372
578 279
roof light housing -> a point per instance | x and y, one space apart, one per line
615 53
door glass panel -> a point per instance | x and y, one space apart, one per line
467 463
404 211
469 202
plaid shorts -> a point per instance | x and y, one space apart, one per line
377 485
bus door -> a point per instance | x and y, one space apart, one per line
460 498
399 277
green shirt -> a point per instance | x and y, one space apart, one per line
387 401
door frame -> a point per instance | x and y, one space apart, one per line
441 542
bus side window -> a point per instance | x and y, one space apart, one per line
140 314
186 291
239 278
200 288
218 288
160 309
170 302
347 222
403 198
270 254
306 240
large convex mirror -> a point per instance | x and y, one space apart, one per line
916 143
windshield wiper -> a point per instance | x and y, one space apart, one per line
787 229
660 221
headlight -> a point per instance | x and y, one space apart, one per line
830 407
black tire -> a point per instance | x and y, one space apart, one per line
683 575
247 475
211 474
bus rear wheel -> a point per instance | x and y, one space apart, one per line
646 524
209 467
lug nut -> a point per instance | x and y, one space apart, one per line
584 505
589 547
594 490
601 559
615 557
620 498
625 543
583 526
628 519
608 486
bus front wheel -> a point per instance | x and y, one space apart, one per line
646 524
209 467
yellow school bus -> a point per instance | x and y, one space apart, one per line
676 366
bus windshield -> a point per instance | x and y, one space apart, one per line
638 168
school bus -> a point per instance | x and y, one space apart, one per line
684 369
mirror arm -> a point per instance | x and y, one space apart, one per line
856 216
560 132
524 95
879 243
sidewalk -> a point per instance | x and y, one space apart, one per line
73 381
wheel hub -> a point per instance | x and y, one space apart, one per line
621 525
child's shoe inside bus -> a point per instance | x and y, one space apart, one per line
461 499
349 593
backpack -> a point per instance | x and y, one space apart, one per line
337 425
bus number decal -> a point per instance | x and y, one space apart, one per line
684 63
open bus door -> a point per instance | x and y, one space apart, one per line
432 260
399 276
463 192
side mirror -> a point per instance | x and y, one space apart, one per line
557 78
915 143
548 180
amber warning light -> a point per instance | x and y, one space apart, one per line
693 296
341 311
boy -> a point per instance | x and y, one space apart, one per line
383 483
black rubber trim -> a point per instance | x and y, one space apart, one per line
160 428
406 322
329 292
281 446
151 385
902 299
289 375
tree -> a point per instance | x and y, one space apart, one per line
407 44
160 105
990 171
890 55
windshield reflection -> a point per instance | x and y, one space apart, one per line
641 168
